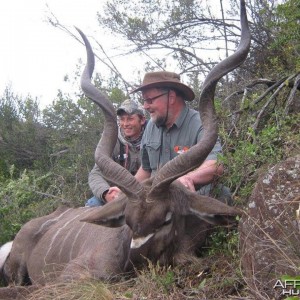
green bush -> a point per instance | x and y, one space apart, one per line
22 199
248 152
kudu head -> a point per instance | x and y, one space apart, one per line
155 209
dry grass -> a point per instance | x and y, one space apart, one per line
213 277
85 290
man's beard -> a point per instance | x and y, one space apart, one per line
160 121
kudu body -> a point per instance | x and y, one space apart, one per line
158 219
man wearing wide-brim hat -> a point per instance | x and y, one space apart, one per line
172 130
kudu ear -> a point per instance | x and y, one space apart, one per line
212 210
109 215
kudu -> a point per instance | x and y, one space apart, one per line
158 219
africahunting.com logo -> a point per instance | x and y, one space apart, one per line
289 286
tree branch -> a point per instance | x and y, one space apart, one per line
261 112
291 98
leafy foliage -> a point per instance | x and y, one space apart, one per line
23 140
223 241
62 141
22 199
249 151
287 39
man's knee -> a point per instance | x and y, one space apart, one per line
94 201
219 191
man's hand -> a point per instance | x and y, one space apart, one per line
203 175
187 182
112 194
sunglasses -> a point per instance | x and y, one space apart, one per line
150 100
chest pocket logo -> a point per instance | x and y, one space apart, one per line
181 149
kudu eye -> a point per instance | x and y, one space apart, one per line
168 218
166 222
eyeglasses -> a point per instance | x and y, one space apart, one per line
150 100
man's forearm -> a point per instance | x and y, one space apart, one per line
142 174
203 175
206 173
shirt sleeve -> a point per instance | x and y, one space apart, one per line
97 183
217 149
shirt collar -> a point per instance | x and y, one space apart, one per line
179 121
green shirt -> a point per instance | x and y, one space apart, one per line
159 144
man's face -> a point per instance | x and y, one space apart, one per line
131 125
155 102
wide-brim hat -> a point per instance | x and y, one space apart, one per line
164 79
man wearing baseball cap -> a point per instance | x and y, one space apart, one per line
172 130
132 122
